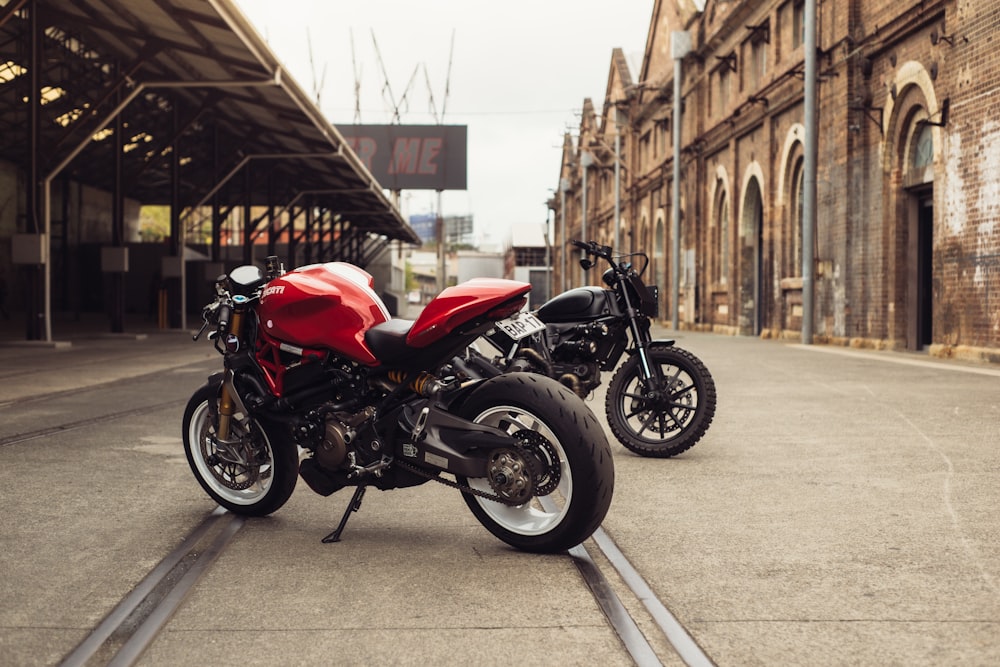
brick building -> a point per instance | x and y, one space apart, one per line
907 240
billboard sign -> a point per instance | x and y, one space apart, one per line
412 157
458 228
425 225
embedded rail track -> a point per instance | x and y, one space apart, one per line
81 423
124 634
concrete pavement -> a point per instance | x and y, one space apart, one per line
839 511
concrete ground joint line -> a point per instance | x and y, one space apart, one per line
887 357
949 474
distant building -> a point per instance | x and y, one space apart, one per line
528 261
476 264
458 228
907 241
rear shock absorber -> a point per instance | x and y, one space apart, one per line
424 384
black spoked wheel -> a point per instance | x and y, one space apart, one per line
558 476
249 474
665 421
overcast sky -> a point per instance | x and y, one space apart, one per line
520 71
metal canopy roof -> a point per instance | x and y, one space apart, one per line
191 70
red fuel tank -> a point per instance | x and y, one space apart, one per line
328 306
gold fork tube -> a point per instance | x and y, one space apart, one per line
227 406
226 410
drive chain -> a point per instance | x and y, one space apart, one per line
455 485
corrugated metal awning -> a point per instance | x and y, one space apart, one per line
191 70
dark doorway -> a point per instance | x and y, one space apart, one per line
925 273
751 261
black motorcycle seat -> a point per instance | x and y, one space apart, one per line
387 341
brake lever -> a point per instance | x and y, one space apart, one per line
206 312
204 326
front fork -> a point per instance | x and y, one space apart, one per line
642 339
229 400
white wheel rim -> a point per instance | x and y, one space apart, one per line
245 497
531 518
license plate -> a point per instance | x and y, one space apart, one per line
521 325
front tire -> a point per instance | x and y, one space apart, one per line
579 480
663 423
254 476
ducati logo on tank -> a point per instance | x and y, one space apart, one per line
272 289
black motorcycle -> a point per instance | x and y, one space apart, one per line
660 401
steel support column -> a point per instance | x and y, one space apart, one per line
292 241
248 223
38 324
177 290
307 257
118 227
272 229
216 208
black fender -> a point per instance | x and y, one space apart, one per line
666 342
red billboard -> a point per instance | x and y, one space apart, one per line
412 157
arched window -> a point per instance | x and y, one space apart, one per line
722 224
796 209
923 148
659 237
918 158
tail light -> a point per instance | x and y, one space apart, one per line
507 309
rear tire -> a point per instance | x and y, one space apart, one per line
664 425
570 513
254 477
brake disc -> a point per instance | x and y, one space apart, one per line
239 474
548 471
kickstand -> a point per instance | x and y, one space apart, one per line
353 506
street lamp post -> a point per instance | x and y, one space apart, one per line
586 159
563 187
618 180
680 46
810 159
548 256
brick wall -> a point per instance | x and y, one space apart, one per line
894 169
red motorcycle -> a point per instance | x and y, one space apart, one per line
320 382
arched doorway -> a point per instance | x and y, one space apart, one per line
751 264
918 182
660 260
913 120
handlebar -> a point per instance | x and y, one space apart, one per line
593 248
604 252
219 313
225 314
